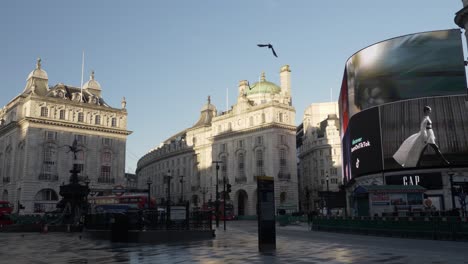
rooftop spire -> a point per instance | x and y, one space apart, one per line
209 99
262 79
92 75
38 63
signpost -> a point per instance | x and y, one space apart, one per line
266 213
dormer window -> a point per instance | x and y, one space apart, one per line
44 111
97 120
80 117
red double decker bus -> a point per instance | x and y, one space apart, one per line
211 206
139 200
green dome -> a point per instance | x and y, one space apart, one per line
263 87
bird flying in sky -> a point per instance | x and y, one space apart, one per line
270 47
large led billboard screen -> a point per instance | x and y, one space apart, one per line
404 103
406 67
425 132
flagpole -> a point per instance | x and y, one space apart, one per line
82 72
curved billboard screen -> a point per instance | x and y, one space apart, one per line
412 66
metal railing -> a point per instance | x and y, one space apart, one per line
106 180
48 177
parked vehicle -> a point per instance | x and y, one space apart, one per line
6 208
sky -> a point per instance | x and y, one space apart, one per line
167 57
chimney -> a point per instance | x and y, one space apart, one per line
285 80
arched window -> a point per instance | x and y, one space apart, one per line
46 195
259 160
80 117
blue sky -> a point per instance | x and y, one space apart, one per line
166 57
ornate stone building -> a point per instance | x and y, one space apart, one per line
319 154
36 128
256 137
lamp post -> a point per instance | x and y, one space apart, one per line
217 162
328 197
452 189
182 188
87 181
149 182
168 178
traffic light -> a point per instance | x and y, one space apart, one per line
228 188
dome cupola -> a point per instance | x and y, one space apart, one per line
92 85
263 87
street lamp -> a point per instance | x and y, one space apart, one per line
168 178
328 197
217 162
450 173
149 182
182 188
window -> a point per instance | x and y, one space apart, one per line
240 144
62 114
281 117
80 139
46 195
224 147
97 120
334 180
241 166
282 161
50 136
259 140
333 171
114 122
321 153
322 173
229 126
259 159
282 139
251 121
80 117
224 167
194 140
107 142
44 111
321 163
105 172
263 118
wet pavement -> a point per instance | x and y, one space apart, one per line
239 244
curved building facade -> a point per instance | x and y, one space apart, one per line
256 137
404 122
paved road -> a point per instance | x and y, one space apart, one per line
239 244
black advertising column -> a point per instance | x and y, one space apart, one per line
266 214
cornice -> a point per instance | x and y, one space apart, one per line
75 104
251 130
75 125
8 127
157 158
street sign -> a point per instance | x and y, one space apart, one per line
118 190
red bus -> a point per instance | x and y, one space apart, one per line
6 208
140 200
210 206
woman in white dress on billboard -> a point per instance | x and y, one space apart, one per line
411 150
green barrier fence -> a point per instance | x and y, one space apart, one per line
444 228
